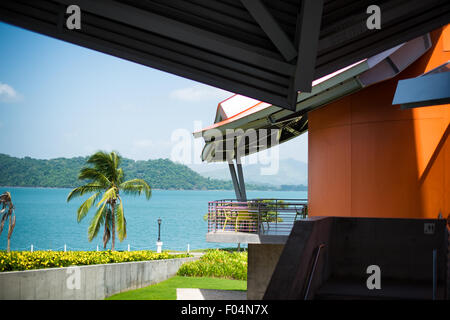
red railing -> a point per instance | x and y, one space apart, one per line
260 216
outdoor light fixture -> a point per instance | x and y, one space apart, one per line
159 229
159 243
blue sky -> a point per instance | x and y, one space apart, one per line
62 100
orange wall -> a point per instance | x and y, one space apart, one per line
368 158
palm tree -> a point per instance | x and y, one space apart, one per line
7 212
105 182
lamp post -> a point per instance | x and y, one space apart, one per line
159 243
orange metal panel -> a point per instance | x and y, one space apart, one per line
368 158
330 150
446 39
384 177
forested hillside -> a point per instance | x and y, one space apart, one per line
63 172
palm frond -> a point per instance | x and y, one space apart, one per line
116 160
2 222
136 187
87 188
85 206
94 175
120 176
109 194
103 162
115 157
107 163
5 198
121 222
96 222
7 211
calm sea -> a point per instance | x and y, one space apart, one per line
45 220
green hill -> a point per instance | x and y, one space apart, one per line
63 173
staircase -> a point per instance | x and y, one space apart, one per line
356 289
414 264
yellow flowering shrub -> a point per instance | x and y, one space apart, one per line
219 264
26 260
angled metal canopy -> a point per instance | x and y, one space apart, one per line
267 50
429 89
244 126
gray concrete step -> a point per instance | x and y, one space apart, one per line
345 289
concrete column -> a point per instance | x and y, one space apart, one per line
262 260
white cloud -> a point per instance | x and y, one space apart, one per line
7 93
199 93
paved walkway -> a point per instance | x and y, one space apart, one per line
210 294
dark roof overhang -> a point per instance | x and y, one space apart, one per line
267 50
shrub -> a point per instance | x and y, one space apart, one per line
217 263
26 260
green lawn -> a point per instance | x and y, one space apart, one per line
166 290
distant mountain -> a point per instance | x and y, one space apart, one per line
63 172
290 172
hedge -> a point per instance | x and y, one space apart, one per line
26 260
217 263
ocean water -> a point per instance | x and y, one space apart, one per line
45 220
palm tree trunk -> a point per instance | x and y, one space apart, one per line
8 248
113 225
104 235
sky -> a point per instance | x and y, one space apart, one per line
61 100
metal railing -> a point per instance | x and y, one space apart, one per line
258 216
313 270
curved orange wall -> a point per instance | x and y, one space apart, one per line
368 158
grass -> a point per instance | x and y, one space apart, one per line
166 290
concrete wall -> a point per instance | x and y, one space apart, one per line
96 281
289 279
262 260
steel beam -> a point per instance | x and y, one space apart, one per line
241 181
238 180
183 32
236 185
272 29
309 30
